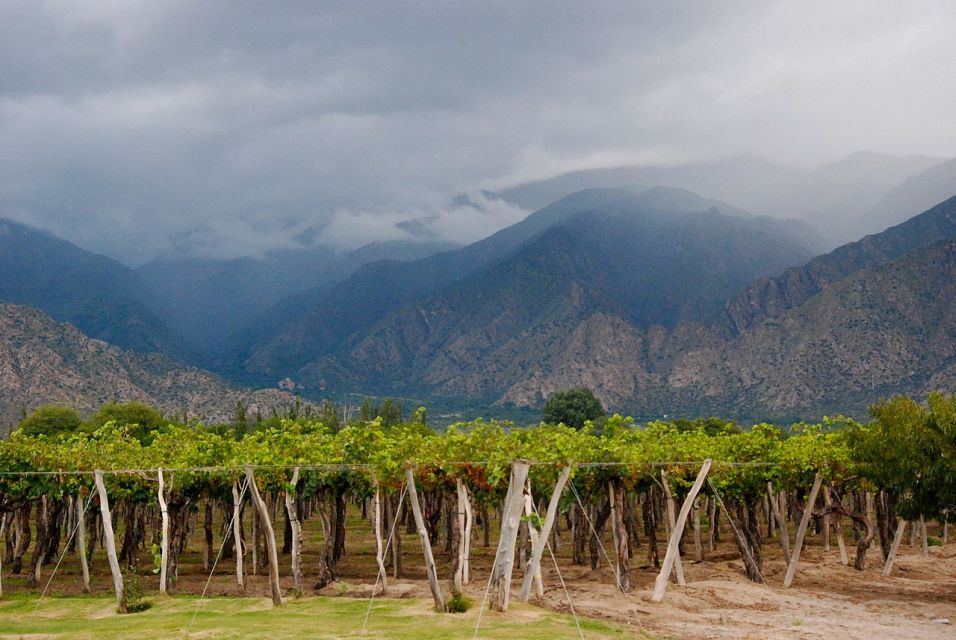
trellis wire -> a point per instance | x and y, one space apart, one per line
362 466
242 494
65 549
388 542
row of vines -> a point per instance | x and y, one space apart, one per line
900 467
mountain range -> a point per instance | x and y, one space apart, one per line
44 361
662 300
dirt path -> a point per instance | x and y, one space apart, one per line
827 601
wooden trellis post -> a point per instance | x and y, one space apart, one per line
534 565
678 565
802 531
673 548
164 538
510 519
897 539
377 527
437 594
293 515
237 537
110 542
80 507
270 537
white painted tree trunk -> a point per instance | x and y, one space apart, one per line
164 539
293 515
377 526
110 541
464 502
538 549
678 565
464 537
673 550
437 594
535 570
510 519
802 531
237 537
897 539
270 537
80 507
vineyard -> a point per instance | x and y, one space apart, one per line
483 509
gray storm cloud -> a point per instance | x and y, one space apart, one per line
127 127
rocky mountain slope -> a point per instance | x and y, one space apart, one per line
660 257
43 361
98 295
632 305
208 301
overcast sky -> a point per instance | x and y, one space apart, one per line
130 127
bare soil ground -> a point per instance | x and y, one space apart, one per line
828 600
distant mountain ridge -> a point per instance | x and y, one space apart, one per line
663 256
43 361
102 297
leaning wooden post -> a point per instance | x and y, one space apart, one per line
437 594
377 526
532 536
80 507
897 539
237 536
293 515
270 536
510 519
538 549
164 539
780 514
110 542
673 549
802 531
669 499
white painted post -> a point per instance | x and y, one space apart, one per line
237 537
537 549
80 507
897 539
802 531
437 594
110 542
510 519
293 515
673 551
164 540
263 510
678 565
379 545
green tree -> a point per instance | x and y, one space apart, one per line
140 419
572 407
50 420
240 424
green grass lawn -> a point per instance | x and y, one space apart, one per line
314 617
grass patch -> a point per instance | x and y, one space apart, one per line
458 603
95 618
